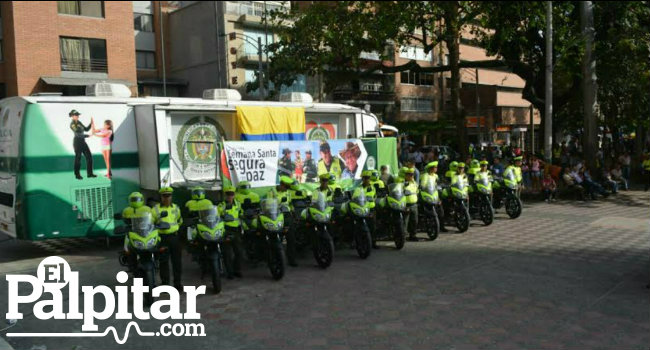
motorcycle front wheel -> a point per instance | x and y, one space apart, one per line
276 263
362 240
513 206
486 211
215 271
462 218
324 248
399 234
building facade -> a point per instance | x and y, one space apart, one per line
217 44
62 46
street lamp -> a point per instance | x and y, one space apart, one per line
250 40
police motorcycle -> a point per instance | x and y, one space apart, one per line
506 193
481 199
352 220
207 234
317 218
270 226
456 211
394 205
429 201
339 203
143 240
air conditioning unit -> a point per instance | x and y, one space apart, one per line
299 97
108 90
221 94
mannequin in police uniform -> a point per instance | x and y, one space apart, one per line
371 195
80 146
135 209
169 237
231 207
281 192
411 203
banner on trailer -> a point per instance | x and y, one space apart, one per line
262 163
255 162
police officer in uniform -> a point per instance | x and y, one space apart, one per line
329 164
136 208
198 201
285 167
230 210
309 168
169 237
80 145
411 202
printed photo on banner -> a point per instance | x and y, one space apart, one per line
342 158
298 161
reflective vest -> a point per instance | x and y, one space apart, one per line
335 168
378 182
327 193
274 193
371 194
646 165
195 205
413 197
516 170
424 181
173 218
235 211
254 197
450 175
130 212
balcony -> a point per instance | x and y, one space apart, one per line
252 8
357 96
84 65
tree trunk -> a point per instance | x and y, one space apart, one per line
590 138
452 28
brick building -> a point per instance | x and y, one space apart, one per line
61 46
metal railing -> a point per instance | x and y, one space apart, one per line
349 94
84 65
252 9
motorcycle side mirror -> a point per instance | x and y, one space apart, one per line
228 217
164 214
284 199
117 216
163 226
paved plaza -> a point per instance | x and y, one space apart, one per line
565 275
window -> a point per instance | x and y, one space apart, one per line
445 61
83 55
416 104
415 53
145 59
250 41
416 78
143 22
81 8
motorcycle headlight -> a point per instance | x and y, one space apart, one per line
151 243
138 244
358 211
269 226
208 236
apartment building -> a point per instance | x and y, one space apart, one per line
62 46
216 44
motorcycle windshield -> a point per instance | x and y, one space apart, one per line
430 187
359 197
320 203
460 184
483 179
510 176
209 217
142 224
396 191
270 208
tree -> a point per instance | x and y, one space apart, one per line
330 38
